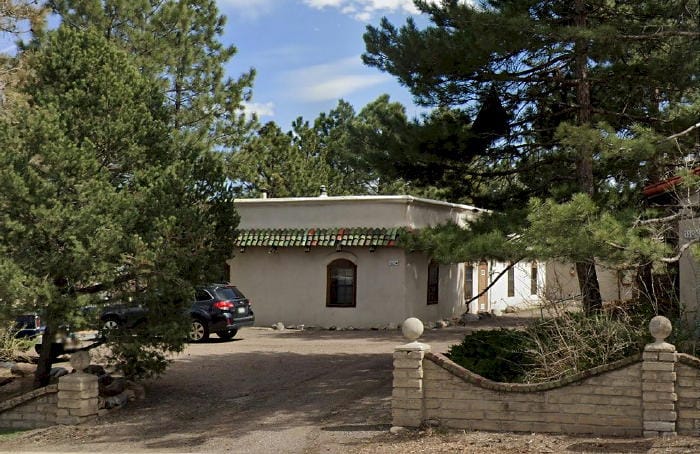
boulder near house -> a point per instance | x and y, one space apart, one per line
335 261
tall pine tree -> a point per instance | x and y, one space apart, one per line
575 77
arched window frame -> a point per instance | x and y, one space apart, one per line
433 293
331 284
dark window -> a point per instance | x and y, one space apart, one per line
468 282
229 293
511 281
202 295
433 282
533 279
341 285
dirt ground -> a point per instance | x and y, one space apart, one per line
295 392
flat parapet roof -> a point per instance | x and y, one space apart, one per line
407 199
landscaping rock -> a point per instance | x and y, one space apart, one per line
95 369
137 389
332 328
117 400
23 369
56 372
117 386
279 326
392 326
510 309
468 318
441 324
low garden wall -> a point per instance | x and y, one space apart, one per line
72 401
653 394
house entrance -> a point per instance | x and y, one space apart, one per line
483 283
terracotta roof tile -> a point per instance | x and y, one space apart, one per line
356 236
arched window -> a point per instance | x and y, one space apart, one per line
341 283
433 282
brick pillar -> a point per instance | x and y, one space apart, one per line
659 382
407 405
77 393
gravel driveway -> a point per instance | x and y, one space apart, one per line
297 392
267 391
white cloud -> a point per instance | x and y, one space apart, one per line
332 80
247 9
265 109
364 10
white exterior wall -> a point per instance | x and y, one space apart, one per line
522 297
498 294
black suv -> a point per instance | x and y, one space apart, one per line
218 308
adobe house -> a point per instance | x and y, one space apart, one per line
335 261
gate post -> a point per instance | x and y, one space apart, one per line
407 404
659 382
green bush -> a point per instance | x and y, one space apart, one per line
551 348
498 355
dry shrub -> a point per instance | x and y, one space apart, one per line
567 342
11 347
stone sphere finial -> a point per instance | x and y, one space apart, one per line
80 360
660 328
412 328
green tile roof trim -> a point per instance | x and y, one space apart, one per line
346 237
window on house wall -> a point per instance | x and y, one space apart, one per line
341 283
433 282
511 281
468 282
533 279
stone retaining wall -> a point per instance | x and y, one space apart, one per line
72 401
688 391
608 403
31 410
653 394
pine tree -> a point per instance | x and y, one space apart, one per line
97 197
178 41
575 77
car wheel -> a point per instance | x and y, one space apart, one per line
199 331
227 335
110 323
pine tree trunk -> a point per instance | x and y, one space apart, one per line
43 367
587 276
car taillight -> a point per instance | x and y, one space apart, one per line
37 322
250 302
223 305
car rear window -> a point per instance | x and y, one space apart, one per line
229 293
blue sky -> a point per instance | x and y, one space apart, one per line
307 54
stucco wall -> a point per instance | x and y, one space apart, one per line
450 290
289 286
608 403
562 283
356 211
689 273
522 297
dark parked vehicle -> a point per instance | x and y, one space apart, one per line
218 308
28 325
